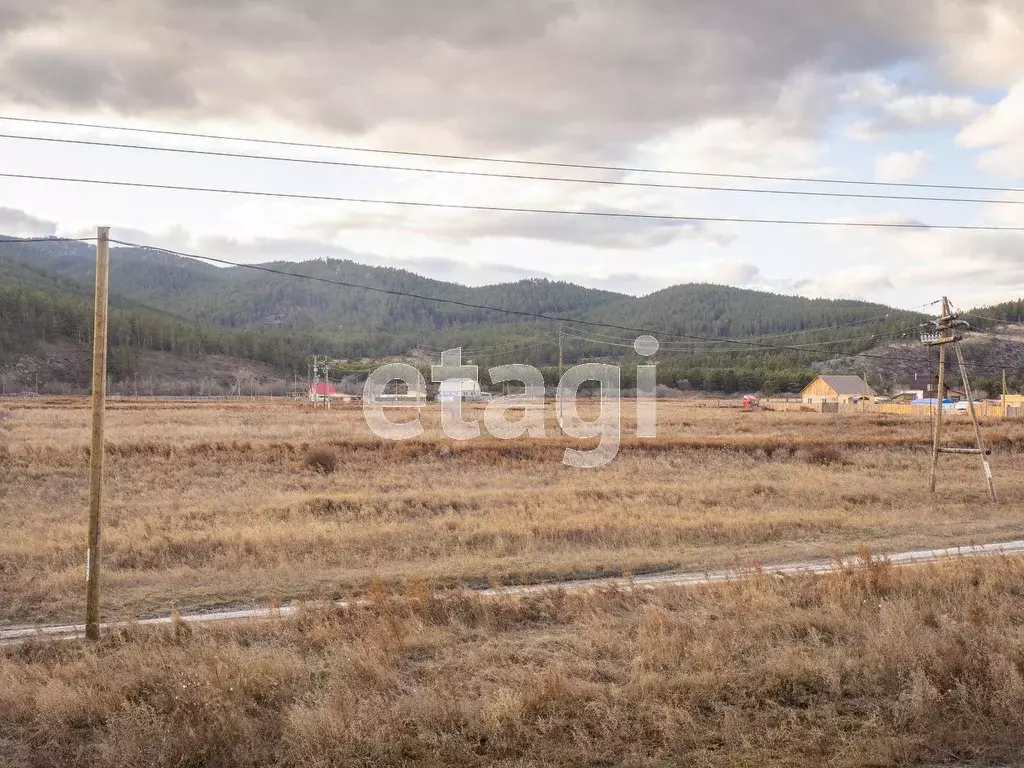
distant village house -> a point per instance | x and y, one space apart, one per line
459 389
922 389
836 389
323 391
397 392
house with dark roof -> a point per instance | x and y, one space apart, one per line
836 389
926 386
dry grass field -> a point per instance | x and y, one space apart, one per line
215 504
236 503
869 667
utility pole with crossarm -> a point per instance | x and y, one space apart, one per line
947 330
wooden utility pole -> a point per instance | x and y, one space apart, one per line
940 390
558 402
315 387
1003 403
974 418
99 395
559 351
946 333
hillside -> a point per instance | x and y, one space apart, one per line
237 297
172 304
987 353
46 337
718 310
63 366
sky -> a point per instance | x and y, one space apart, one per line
908 92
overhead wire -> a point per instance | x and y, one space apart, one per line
478 352
622 341
521 340
46 239
522 343
514 176
803 331
902 225
991 319
874 337
508 161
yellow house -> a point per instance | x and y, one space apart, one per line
836 389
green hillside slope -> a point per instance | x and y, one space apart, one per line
186 306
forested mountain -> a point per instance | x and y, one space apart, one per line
33 314
165 302
146 276
239 297
987 317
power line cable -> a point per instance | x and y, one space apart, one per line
991 319
477 352
521 340
517 312
804 331
623 344
521 344
516 176
517 209
687 346
510 161
5 240
878 336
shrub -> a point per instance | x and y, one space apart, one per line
826 455
323 459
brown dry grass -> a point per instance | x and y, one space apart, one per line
877 666
322 459
213 504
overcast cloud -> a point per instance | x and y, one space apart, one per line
917 90
21 224
588 74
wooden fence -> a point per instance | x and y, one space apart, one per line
984 409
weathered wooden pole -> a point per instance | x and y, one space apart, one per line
99 395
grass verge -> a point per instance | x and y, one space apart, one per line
870 666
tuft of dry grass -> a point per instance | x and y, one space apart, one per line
872 665
826 456
323 459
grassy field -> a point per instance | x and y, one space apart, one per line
211 505
869 667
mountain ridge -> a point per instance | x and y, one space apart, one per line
282 319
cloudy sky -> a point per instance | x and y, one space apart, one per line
914 91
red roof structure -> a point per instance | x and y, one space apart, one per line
322 389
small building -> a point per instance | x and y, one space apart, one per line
836 389
408 397
949 393
459 389
321 390
1011 406
907 396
